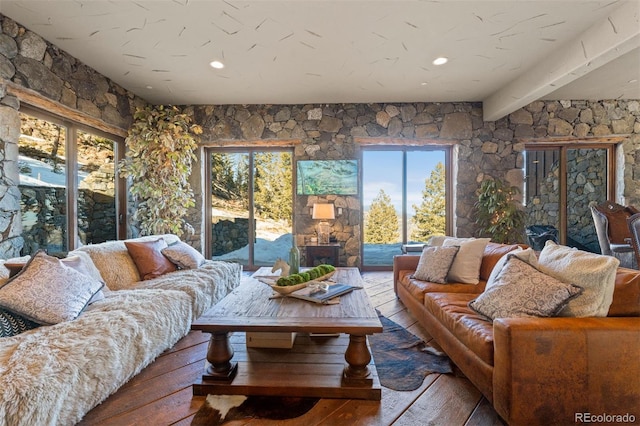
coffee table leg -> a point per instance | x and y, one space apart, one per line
219 357
357 357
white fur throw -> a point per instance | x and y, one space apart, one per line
54 375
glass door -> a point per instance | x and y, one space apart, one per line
251 202
404 200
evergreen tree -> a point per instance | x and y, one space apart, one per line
430 218
272 185
381 221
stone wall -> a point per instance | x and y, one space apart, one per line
484 149
228 234
29 61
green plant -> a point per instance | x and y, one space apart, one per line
498 214
160 143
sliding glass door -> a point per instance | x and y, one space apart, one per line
251 203
404 200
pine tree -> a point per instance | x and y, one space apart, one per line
272 185
430 218
381 221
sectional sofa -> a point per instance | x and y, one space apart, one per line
54 374
537 370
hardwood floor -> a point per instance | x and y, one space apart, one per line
161 394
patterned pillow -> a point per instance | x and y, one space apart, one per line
148 257
48 292
520 290
435 263
12 324
183 255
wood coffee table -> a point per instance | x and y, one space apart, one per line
314 367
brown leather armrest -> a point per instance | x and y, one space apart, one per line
407 262
548 370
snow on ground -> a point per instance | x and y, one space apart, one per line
42 173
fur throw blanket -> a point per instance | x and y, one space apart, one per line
53 375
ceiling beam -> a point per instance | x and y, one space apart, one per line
601 43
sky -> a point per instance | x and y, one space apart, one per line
383 170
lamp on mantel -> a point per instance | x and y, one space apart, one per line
323 212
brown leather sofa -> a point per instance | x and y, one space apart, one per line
535 371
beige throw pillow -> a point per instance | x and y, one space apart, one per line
520 290
435 263
595 273
466 265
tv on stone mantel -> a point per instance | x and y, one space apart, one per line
327 177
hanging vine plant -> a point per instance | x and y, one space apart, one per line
499 216
160 152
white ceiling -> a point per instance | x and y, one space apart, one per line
504 53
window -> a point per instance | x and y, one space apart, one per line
68 189
405 199
561 181
250 220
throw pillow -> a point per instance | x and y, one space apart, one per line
148 257
436 240
434 264
466 265
520 290
12 324
594 272
183 255
528 255
48 292
80 264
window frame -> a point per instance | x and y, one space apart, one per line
563 145
71 178
405 146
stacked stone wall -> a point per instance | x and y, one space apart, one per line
484 150
27 60
228 235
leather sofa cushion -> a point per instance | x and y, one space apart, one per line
418 288
626 294
474 332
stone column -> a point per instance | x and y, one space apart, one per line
10 219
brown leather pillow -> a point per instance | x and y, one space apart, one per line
148 257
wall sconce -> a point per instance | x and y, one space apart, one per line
323 212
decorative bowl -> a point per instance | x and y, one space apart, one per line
288 289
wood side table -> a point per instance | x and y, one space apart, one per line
317 254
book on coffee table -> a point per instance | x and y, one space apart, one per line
316 295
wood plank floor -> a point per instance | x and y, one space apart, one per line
161 394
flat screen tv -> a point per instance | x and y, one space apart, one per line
327 177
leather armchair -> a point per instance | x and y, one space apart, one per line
634 227
610 220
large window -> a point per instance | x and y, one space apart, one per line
251 206
405 193
68 184
561 182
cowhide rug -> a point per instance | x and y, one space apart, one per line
402 359
219 409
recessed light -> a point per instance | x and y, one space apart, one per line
149 87
440 61
424 83
216 64
632 81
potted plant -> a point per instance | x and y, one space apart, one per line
161 144
498 214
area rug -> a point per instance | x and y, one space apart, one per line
220 409
402 359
